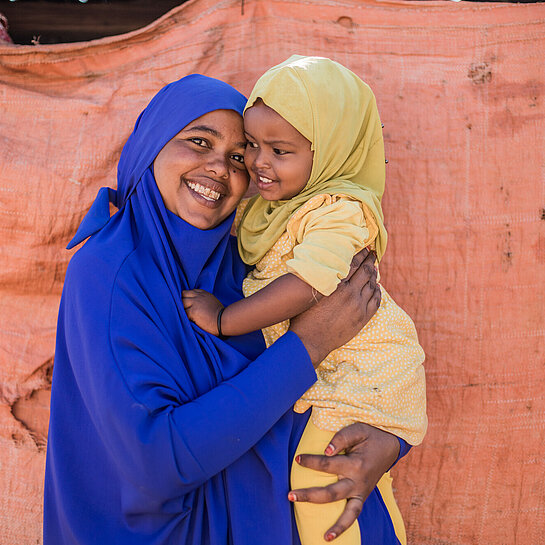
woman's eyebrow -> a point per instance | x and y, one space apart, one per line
205 128
214 132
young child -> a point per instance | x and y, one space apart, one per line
316 153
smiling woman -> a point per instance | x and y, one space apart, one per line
200 173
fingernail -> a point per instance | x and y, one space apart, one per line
298 458
330 449
330 537
292 496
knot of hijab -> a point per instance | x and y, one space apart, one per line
334 109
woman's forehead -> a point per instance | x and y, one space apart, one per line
220 124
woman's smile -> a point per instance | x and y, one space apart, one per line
207 193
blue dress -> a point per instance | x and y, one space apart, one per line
159 432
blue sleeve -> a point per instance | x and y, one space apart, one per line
231 418
166 429
404 448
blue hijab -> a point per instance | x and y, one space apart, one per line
159 432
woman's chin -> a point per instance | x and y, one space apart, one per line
204 217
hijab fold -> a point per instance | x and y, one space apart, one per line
334 109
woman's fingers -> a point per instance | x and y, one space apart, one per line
348 437
365 273
368 453
371 293
357 260
336 465
347 518
344 488
323 494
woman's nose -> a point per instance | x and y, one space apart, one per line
218 164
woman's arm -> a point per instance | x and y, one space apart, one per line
166 446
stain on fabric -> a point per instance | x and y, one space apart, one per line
346 22
479 73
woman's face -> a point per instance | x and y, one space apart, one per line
200 173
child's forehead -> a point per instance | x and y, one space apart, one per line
260 120
270 119
260 107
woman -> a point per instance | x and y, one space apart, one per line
159 432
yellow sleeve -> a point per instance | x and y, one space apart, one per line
326 239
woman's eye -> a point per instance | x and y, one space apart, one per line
279 151
252 145
199 141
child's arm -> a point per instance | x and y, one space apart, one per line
282 299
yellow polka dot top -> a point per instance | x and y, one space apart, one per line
377 377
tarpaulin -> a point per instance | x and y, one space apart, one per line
460 88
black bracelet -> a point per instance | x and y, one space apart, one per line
220 334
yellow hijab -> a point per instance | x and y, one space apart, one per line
334 109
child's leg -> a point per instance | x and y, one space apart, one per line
385 488
314 519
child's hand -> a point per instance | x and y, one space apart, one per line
202 308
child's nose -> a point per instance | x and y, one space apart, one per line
261 160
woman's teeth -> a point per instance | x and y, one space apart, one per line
264 180
206 192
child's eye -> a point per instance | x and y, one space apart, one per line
252 145
238 158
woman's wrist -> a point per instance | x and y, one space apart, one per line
316 351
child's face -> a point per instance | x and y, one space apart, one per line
278 156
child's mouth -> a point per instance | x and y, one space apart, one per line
264 180
264 183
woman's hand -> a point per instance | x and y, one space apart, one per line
334 320
369 453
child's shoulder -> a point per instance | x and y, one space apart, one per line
339 213
324 204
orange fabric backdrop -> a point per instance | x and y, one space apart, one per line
460 88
